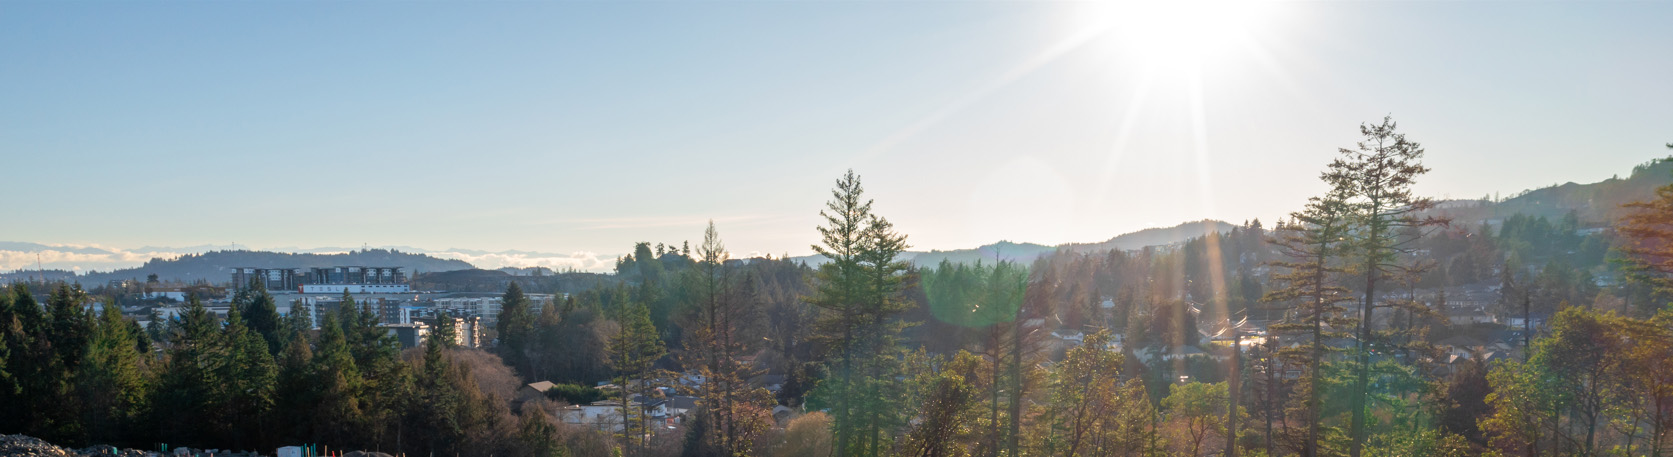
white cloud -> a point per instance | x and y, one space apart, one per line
584 261
79 257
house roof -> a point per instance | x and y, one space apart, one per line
1462 341
682 402
542 386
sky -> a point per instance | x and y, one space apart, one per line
567 131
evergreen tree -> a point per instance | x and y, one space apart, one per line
71 325
634 349
383 378
730 413
1313 243
190 390
515 328
261 315
31 364
1377 177
156 328
449 415
435 418
856 288
9 389
111 384
339 416
250 377
295 392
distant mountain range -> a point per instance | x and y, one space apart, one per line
1595 204
216 266
1027 252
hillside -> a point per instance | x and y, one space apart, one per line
1595 204
1154 236
215 266
1027 252
1003 250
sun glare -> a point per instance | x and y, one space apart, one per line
1176 34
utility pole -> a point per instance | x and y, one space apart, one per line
1527 322
1235 384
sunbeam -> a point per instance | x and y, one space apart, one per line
1049 55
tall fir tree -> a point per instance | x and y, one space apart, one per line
723 308
261 315
31 365
250 377
515 328
190 390
338 415
634 350
1313 245
840 290
1377 177
112 385
858 290
295 391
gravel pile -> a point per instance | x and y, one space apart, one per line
21 446
28 446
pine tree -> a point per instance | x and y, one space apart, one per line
634 349
841 292
189 393
383 378
449 415
885 279
515 328
250 379
295 392
30 364
1377 176
261 315
338 417
111 384
1313 243
9 389
435 418
730 420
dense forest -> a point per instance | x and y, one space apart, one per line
1370 322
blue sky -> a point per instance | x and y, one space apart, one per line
581 127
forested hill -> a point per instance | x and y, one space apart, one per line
1154 236
215 266
1027 252
1595 204
1003 250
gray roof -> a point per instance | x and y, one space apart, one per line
542 385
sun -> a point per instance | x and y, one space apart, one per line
1172 35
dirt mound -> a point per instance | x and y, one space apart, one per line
29 446
20 446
